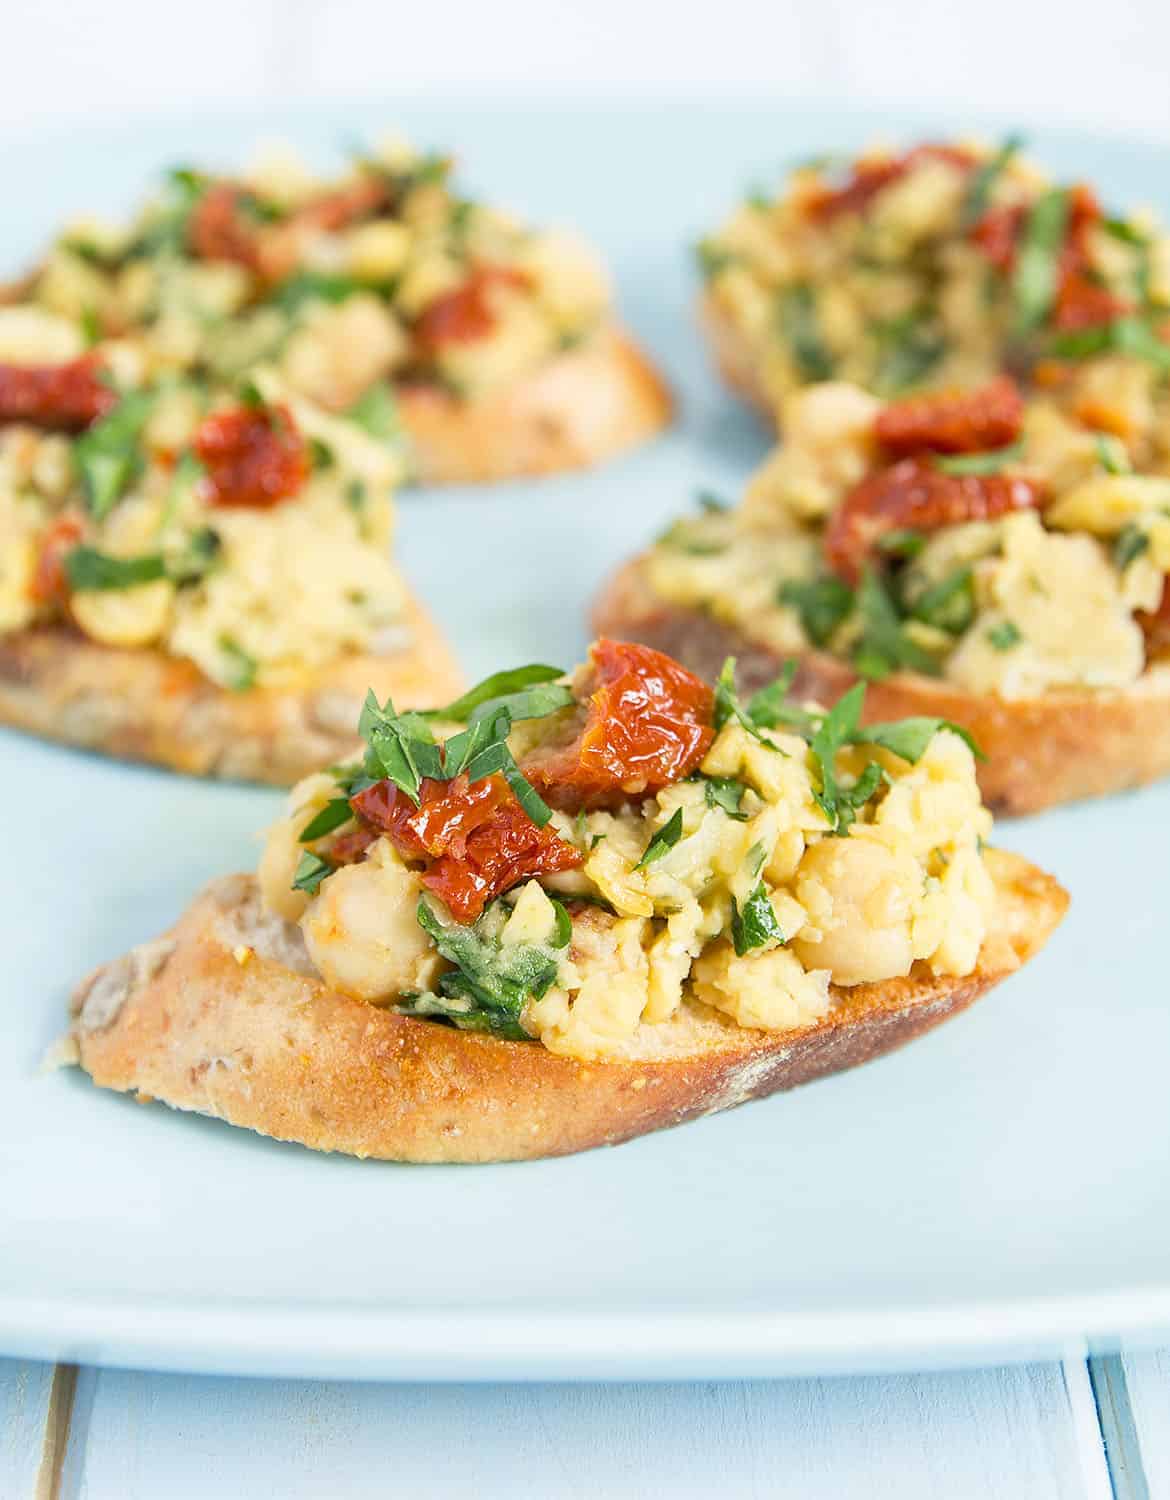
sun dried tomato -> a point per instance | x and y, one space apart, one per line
1080 301
953 421
869 178
1156 625
914 495
345 206
647 724
475 838
465 314
253 455
220 229
49 584
68 396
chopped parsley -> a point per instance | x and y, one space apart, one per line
1035 279
314 286
241 667
375 411
1129 336
949 604
903 542
1111 454
800 326
726 794
908 349
754 925
491 983
499 688
310 872
712 258
328 820
822 604
107 456
990 462
663 841
1131 543
977 198
87 569
884 646
1005 635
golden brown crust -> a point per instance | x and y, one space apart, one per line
578 409
146 705
733 358
223 1016
1058 747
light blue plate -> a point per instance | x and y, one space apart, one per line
999 1189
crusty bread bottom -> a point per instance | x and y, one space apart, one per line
580 408
733 359
145 705
1041 751
225 1017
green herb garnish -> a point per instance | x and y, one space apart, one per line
242 667
822 603
884 646
903 542
1005 635
800 327
754 925
949 604
331 817
1131 542
726 794
496 688
376 412
978 195
1034 282
107 456
310 872
663 841
991 462
87 569
1111 454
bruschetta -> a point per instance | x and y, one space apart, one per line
499 343
570 909
938 266
995 560
191 574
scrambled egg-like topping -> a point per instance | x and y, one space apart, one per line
1042 599
755 910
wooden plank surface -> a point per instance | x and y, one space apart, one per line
1024 1433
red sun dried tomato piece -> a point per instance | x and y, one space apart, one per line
67 397
465 314
869 178
914 495
997 234
253 455
49 584
953 421
475 838
647 724
345 206
219 227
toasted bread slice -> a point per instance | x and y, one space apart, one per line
225 1017
145 705
1057 747
580 408
733 358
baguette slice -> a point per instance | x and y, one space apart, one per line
147 705
734 359
224 1016
580 408
1057 747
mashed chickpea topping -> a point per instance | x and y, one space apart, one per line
741 857
1004 544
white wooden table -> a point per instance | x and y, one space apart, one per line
1066 1431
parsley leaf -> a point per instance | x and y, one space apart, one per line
884 646
1034 281
949 604
241 667
822 603
800 327
1131 542
331 817
908 738
990 462
978 195
1111 453
376 411
394 750
755 924
725 793
1005 635
496 688
314 286
310 872
663 841
106 455
88 569
903 541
